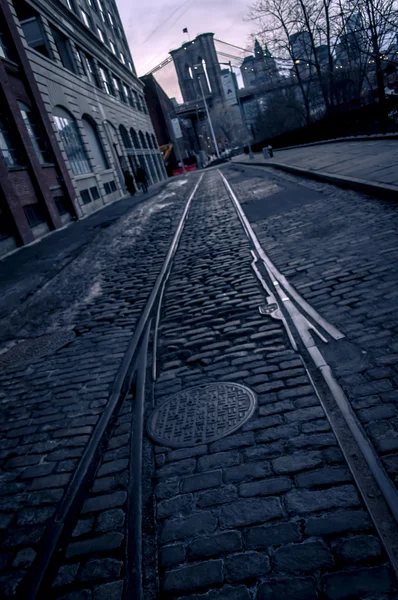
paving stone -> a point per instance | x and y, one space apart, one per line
266 487
24 558
336 522
166 489
307 556
100 568
239 440
183 453
5 520
220 459
50 481
303 501
313 441
215 545
189 578
110 519
247 565
276 433
293 588
354 584
100 543
83 526
179 506
109 591
79 595
264 451
298 461
263 423
359 548
246 472
100 503
217 496
113 467
247 512
172 555
34 516
178 529
66 574
176 469
272 535
305 414
325 476
202 481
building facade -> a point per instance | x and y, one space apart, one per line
260 68
90 96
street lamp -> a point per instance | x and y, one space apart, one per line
242 114
196 67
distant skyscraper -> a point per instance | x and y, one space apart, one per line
260 68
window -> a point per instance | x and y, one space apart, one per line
113 47
102 12
154 142
63 46
149 141
135 139
85 196
110 187
80 61
143 104
34 214
130 98
94 192
118 89
125 93
131 67
111 19
90 3
94 143
125 137
142 140
8 150
136 101
101 35
62 205
4 47
106 80
72 142
36 134
93 76
34 35
123 60
85 18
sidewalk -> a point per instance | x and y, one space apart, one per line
369 162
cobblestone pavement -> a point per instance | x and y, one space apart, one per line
373 160
269 511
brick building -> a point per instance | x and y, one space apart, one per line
82 118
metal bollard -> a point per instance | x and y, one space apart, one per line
265 152
270 151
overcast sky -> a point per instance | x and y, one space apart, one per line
154 27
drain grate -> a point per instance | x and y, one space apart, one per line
31 349
201 414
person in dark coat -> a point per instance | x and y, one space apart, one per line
129 182
141 177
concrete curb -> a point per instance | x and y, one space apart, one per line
388 192
351 138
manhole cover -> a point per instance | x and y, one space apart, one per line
34 348
201 414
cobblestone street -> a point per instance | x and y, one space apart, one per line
178 423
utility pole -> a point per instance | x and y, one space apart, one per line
242 114
208 116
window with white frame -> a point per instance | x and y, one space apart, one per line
71 141
8 147
113 47
85 18
111 19
123 60
35 132
101 35
106 80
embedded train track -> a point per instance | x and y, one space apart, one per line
306 330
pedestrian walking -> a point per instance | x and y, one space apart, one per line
129 182
141 178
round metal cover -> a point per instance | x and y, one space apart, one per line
201 414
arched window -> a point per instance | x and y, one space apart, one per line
125 136
71 141
154 142
134 137
142 140
149 141
94 142
36 134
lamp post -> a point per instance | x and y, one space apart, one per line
208 114
242 114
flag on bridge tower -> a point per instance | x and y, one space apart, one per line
185 30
